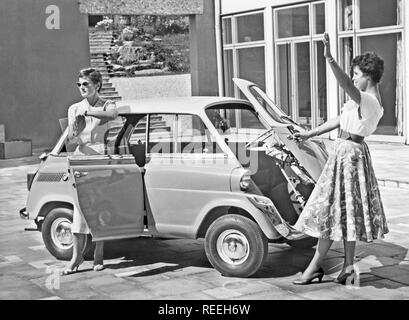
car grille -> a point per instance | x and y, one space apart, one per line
50 177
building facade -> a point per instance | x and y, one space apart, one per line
277 44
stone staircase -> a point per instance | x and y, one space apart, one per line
100 43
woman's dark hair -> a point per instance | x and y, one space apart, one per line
94 75
370 64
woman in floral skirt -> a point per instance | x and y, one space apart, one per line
346 204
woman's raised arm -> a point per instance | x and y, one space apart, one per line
343 79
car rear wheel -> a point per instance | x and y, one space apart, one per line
235 246
57 236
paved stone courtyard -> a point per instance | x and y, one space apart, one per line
177 269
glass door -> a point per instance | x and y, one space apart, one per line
300 65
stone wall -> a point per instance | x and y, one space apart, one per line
153 7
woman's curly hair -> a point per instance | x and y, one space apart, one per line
370 64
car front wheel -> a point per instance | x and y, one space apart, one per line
235 246
57 236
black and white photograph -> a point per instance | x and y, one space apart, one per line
204 155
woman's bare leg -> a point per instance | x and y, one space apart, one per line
316 262
78 244
349 250
99 253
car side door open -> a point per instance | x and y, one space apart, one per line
108 190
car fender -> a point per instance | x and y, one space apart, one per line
244 203
35 210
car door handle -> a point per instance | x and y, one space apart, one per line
79 174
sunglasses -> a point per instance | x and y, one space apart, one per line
85 84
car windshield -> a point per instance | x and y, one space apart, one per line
236 122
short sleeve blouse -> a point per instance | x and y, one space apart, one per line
361 119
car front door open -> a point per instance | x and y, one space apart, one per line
108 190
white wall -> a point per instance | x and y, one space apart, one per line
232 6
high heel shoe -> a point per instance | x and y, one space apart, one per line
319 274
344 276
98 267
74 268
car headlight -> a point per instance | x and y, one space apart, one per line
245 181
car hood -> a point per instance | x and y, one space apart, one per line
311 154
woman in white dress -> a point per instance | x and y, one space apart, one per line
87 124
346 204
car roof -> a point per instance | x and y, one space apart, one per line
193 104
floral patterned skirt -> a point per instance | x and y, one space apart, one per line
345 203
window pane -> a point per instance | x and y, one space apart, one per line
386 47
250 28
161 133
293 22
346 13
378 13
231 119
284 84
251 65
194 137
137 142
321 83
226 30
228 73
303 83
319 11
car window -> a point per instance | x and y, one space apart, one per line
137 140
112 130
161 133
236 122
193 136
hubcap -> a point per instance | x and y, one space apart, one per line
233 247
61 233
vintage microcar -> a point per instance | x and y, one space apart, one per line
217 168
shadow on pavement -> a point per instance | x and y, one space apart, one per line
377 261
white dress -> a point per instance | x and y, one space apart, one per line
346 203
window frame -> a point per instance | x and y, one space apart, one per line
235 46
312 38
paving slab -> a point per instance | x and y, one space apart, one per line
175 286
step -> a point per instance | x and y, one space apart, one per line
98 60
99 65
101 49
105 45
100 40
97 55
106 85
117 98
110 90
109 93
